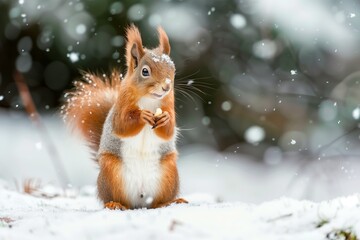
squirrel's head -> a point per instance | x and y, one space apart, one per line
151 70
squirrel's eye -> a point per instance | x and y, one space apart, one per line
145 72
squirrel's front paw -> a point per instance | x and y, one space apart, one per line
162 120
147 117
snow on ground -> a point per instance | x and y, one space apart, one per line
25 217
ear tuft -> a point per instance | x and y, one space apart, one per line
164 41
134 47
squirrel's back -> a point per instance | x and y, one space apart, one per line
88 104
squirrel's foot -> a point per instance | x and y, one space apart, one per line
179 200
114 206
176 201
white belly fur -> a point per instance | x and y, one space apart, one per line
141 170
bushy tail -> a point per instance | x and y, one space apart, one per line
87 105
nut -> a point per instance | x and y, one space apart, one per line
158 112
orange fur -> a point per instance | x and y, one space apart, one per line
114 206
169 181
164 41
134 42
89 104
126 121
110 184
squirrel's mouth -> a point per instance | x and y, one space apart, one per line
159 96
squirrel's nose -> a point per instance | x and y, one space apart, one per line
167 85
167 88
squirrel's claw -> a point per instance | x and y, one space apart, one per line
162 120
147 117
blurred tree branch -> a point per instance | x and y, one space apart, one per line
36 119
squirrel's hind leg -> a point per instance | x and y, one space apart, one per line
169 182
110 185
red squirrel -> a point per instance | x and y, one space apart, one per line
135 149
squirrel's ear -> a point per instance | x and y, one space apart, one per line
134 48
164 41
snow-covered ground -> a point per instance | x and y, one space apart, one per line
81 217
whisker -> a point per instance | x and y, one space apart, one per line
193 91
179 99
192 85
194 82
186 94
199 78
186 129
207 87
194 88
192 74
198 84
188 86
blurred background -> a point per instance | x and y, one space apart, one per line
268 99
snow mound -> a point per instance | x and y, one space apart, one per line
81 216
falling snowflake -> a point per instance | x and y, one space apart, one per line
190 82
254 134
355 113
226 106
73 56
238 21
